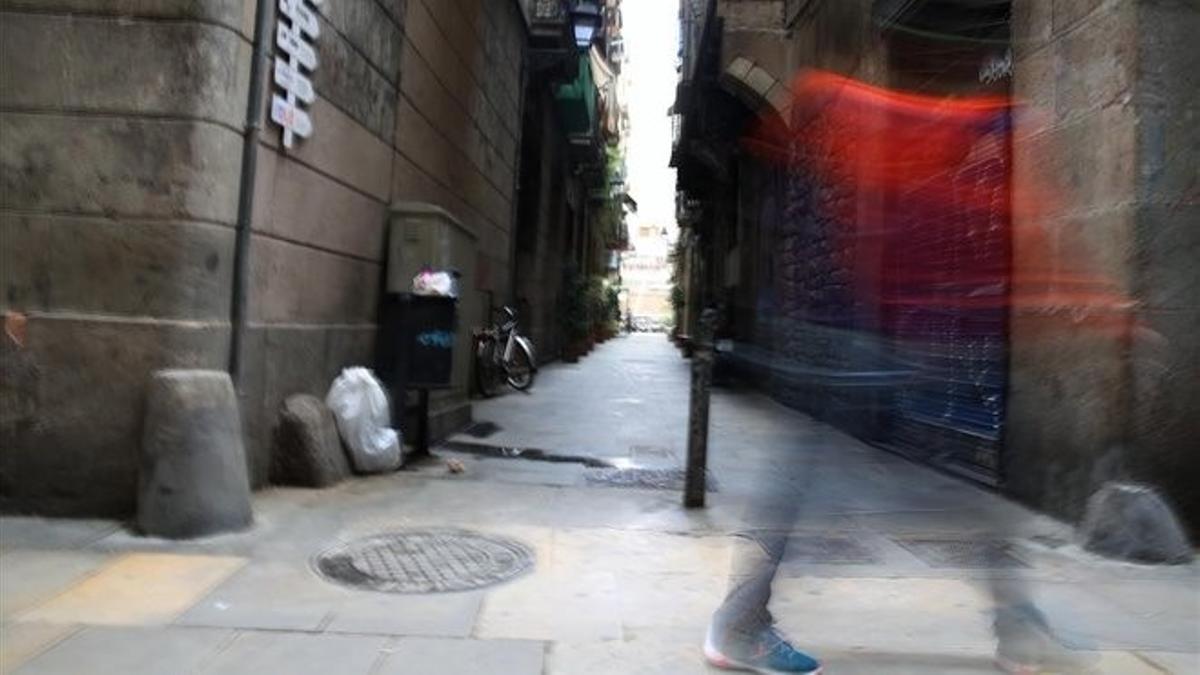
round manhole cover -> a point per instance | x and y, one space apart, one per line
425 561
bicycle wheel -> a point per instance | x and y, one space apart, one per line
487 370
519 369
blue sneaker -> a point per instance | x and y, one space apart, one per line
767 652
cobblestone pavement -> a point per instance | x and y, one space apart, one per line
883 573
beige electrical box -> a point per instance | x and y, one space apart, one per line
424 235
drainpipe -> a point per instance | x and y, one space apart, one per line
516 191
241 250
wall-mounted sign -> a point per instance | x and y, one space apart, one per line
296 25
292 80
291 117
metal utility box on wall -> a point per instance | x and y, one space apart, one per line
423 235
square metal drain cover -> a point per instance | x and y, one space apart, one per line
653 479
963 553
825 550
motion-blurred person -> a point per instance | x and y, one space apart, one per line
924 172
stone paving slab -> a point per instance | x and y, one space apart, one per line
406 656
30 532
892 615
550 605
30 577
624 579
20 642
632 552
433 615
258 653
268 594
1173 662
868 662
968 662
1145 615
141 650
671 600
642 651
137 589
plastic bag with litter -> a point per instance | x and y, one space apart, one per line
364 421
430 282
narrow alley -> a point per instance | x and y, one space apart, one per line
622 579
599 337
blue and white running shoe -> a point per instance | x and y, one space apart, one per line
767 652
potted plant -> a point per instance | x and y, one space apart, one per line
596 309
574 316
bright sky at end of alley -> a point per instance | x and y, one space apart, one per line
651 31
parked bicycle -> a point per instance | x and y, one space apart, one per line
503 355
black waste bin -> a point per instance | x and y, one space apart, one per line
415 352
416 340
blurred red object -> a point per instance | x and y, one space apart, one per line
932 175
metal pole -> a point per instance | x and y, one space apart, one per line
697 455
421 446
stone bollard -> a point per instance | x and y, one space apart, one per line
307 450
1133 523
192 477
696 476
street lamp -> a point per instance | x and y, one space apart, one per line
586 20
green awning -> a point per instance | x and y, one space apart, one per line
577 100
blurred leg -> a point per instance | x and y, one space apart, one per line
744 612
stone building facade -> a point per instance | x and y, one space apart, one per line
1114 88
124 187
120 162
571 120
1103 125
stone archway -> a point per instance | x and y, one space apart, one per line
757 87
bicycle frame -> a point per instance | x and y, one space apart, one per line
504 341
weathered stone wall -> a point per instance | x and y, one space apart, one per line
1166 275
319 220
1105 202
807 293
120 161
457 140
543 229
404 112
1110 126
119 165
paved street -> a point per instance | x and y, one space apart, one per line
623 579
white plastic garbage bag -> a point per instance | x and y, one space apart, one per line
429 282
364 421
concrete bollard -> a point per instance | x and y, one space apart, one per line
192 477
696 476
